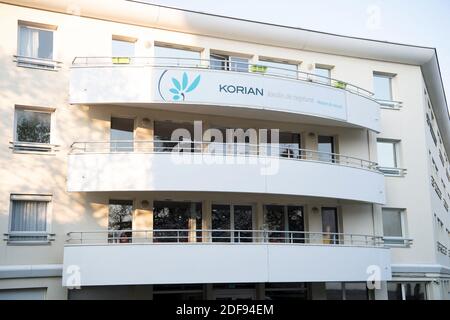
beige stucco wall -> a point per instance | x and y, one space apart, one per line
77 36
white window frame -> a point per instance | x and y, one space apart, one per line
391 103
404 229
35 62
31 197
34 147
323 67
396 171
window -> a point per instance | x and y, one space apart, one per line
122 50
325 148
172 215
323 73
346 291
382 87
231 63
406 291
232 217
167 133
32 130
35 46
388 157
286 223
120 219
171 56
280 68
430 126
29 219
393 226
122 134
330 225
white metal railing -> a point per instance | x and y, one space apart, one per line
389 171
218 64
222 236
390 104
35 147
285 151
397 241
39 63
28 237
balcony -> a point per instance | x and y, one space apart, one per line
221 167
134 257
197 86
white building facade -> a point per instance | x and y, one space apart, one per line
158 153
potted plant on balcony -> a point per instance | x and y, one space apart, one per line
258 68
340 84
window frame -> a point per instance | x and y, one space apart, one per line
36 62
396 171
320 77
48 198
390 103
397 241
229 65
34 147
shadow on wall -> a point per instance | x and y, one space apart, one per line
43 174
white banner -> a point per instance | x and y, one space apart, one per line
248 90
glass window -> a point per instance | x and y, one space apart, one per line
296 223
167 131
120 217
382 87
235 217
122 48
223 62
122 134
242 220
221 220
330 225
356 291
325 148
334 291
324 74
218 62
387 154
280 68
28 216
35 42
175 216
394 291
415 291
238 64
275 221
33 126
393 225
173 56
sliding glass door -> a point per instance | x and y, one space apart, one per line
285 223
330 225
232 217
174 220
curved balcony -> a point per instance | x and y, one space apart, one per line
119 257
221 167
251 91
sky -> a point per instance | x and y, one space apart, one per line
418 22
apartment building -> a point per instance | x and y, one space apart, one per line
157 153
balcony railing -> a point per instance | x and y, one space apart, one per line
154 236
214 149
216 64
